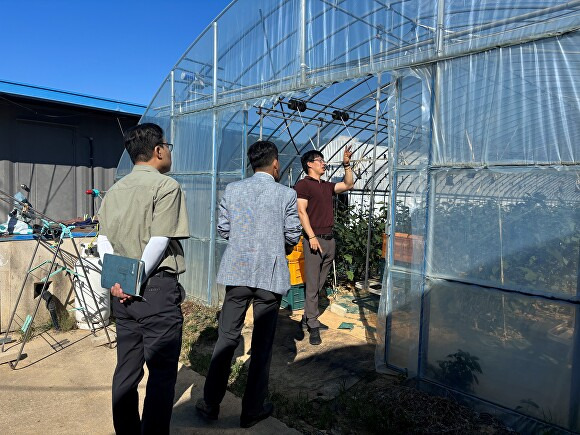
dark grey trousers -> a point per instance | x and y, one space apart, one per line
266 306
316 266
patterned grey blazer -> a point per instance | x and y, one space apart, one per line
257 216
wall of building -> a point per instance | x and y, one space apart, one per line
47 146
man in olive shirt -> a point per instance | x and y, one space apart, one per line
143 216
317 219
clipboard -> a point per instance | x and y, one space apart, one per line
123 270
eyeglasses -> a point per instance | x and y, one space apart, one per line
319 160
168 145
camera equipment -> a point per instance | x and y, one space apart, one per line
295 104
338 115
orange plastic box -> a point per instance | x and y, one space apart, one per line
297 252
297 274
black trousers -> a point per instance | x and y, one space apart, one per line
266 306
148 331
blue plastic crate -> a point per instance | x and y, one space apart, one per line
294 299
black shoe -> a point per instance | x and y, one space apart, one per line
250 420
206 411
315 336
300 332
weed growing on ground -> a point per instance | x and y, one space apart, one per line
66 322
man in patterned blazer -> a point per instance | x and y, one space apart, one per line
260 220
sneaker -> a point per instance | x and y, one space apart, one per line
315 336
250 420
206 411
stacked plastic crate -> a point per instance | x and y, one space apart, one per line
294 299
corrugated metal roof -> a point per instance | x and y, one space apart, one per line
73 98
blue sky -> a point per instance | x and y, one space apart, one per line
120 49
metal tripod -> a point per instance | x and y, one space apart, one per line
56 232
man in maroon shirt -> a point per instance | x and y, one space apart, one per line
317 219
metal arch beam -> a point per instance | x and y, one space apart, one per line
259 59
571 5
281 123
340 131
318 112
364 97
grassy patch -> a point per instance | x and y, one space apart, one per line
200 333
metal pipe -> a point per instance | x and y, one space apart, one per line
313 120
425 309
215 61
172 114
303 42
244 142
440 25
393 149
373 172
92 166
214 158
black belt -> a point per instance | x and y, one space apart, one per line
324 236
164 274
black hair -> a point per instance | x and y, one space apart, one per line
140 141
309 156
261 154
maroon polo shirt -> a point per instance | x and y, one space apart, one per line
319 196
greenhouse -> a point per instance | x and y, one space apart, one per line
464 120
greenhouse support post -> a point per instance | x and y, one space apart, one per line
425 309
373 172
393 146
214 158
